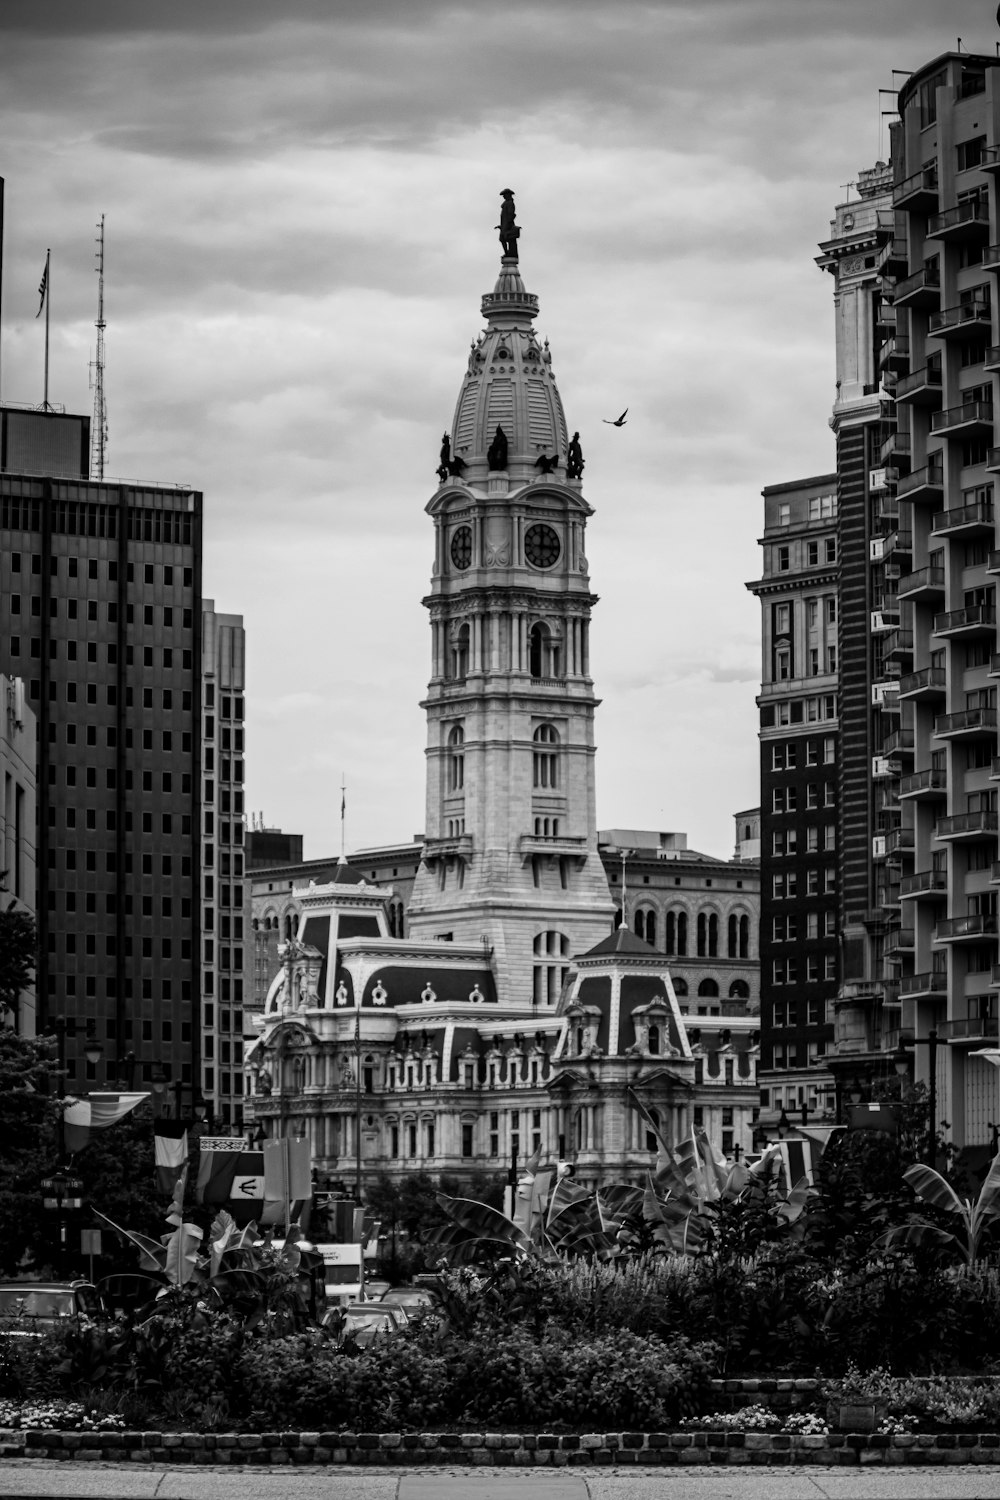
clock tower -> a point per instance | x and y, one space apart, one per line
510 856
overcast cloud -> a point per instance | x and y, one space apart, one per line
300 203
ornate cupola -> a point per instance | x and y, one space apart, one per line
510 856
509 384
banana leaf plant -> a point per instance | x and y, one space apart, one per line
974 1222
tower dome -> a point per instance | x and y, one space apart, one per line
509 384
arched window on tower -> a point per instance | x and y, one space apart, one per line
652 1144
651 928
744 937
639 924
671 942
739 990
682 934
456 758
732 949
708 989
702 934
460 652
545 758
713 935
543 652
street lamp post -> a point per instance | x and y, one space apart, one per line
62 1193
901 1062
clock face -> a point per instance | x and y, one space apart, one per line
461 548
541 546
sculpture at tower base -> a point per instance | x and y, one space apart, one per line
496 453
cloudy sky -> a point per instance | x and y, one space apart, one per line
300 201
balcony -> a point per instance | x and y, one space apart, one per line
967 223
925 885
990 161
967 826
925 786
991 258
969 1029
993 460
973 620
924 486
895 447
963 322
919 192
924 686
895 353
991 359
925 583
974 520
898 644
922 289
900 940
970 417
885 695
893 544
899 743
969 723
899 845
930 985
969 928
887 897
922 388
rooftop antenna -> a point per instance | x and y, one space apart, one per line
343 815
99 436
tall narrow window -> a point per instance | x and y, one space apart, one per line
732 948
456 758
543 652
682 934
713 935
545 761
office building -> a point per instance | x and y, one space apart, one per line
100 614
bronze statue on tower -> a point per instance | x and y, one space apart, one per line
509 231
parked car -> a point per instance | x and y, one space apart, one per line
375 1287
413 1298
364 1321
31 1308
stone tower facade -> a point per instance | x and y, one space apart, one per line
510 858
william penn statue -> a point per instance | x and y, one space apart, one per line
509 231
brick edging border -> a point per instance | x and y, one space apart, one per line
661 1449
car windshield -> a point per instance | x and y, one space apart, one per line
30 1302
376 1319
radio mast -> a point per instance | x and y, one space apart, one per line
99 433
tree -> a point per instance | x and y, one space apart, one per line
29 1114
966 1227
18 956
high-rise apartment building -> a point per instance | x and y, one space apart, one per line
799 769
100 614
875 648
946 161
225 897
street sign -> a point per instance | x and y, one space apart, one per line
90 1242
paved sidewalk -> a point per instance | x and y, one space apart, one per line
41 1480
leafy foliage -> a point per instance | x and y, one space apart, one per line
18 956
971 1226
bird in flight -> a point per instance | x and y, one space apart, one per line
618 422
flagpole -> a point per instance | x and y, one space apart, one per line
357 1105
343 812
48 304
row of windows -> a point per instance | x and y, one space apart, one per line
169 824
786 840
184 658
166 946
90 694
818 881
821 508
111 780
786 799
129 739
791 1055
785 756
814 554
785 929
785 970
186 575
799 711
92 613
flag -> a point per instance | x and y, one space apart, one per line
171 1148
343 801
796 1162
43 287
287 1170
96 1112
